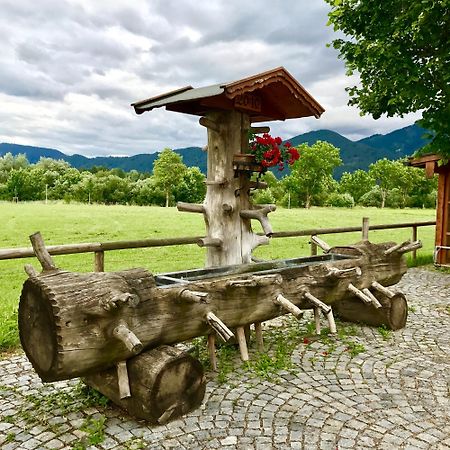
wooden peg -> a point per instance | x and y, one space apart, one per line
30 270
375 301
320 243
41 252
260 214
210 124
411 247
326 309
288 306
316 302
118 298
331 322
194 296
209 242
334 272
124 334
384 290
360 294
219 327
190 207
394 248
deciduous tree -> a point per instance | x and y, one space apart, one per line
356 183
401 51
388 175
168 171
313 171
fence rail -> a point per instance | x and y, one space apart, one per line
99 248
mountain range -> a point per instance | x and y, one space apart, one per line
355 154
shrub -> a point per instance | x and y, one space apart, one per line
263 196
371 198
395 199
340 200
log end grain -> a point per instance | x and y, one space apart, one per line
37 329
392 314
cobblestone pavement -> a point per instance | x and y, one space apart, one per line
393 395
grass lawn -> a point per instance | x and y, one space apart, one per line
72 223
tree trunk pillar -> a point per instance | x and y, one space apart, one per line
226 193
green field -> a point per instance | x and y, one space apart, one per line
72 223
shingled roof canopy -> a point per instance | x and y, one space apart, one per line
271 95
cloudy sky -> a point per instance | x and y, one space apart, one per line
71 68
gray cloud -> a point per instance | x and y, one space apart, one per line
70 69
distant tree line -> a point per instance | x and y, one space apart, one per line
310 182
57 180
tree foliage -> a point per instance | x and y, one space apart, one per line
313 171
356 183
401 51
397 184
168 171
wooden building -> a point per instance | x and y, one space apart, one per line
431 164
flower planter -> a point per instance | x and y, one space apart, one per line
246 162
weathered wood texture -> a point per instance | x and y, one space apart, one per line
392 314
227 195
165 383
227 209
68 321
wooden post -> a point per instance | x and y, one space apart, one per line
317 319
313 248
331 322
414 239
259 336
240 334
99 261
212 350
123 380
365 229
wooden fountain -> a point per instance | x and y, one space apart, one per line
116 330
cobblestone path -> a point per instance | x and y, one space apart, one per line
393 395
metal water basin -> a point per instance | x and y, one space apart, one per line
260 268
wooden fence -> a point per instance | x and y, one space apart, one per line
99 248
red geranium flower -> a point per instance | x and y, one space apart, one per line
271 152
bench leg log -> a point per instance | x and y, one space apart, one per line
392 314
165 383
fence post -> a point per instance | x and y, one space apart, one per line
99 261
313 248
414 238
365 229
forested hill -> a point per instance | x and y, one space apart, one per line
355 154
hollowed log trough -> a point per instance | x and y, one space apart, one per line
75 324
